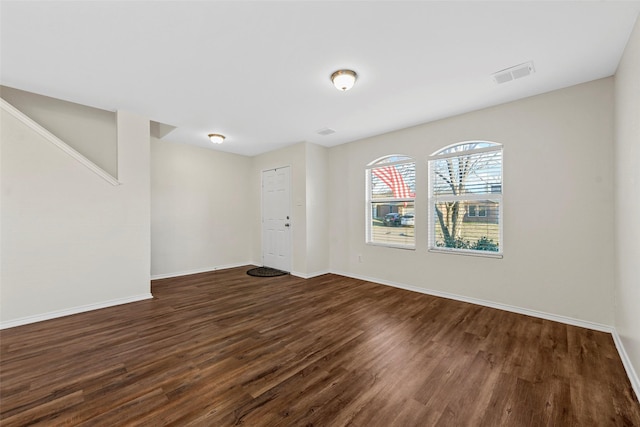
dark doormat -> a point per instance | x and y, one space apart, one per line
265 272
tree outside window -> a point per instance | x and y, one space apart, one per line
465 198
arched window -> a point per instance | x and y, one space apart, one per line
465 198
391 192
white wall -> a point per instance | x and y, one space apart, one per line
90 131
558 206
70 240
318 209
201 209
627 197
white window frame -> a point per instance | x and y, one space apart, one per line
494 146
369 201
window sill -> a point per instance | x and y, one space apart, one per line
467 253
387 245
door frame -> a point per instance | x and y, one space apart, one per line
290 209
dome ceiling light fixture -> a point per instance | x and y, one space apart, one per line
344 80
216 138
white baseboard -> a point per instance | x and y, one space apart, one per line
74 310
477 301
631 372
222 267
309 275
199 270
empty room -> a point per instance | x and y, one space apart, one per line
319 213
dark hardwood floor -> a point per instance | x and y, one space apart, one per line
224 348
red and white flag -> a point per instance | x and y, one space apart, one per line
393 179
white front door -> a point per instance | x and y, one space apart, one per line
276 222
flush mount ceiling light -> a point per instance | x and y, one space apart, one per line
344 79
216 138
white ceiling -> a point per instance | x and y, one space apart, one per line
258 72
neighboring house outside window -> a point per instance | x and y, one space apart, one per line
477 211
390 196
465 199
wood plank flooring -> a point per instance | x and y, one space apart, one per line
225 349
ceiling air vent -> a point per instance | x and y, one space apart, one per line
325 131
513 73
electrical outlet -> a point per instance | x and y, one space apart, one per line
359 258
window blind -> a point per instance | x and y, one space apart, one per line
465 198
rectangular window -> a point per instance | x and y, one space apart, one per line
389 223
391 202
480 231
465 199
476 210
